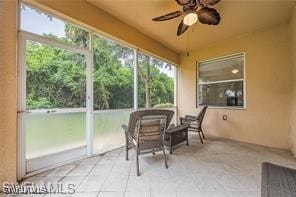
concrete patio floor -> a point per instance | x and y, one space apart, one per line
215 168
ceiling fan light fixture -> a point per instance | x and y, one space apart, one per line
190 19
235 71
193 11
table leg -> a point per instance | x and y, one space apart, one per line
171 145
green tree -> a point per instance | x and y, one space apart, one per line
56 78
154 87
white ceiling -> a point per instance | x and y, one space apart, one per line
238 17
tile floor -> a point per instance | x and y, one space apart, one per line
216 168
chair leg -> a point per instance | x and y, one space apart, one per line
200 137
126 152
203 135
137 160
153 152
165 159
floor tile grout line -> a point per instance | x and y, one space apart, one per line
39 177
109 173
85 176
98 194
124 192
101 157
68 172
150 187
129 174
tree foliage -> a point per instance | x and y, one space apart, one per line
56 78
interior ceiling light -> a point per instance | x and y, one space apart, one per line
192 11
190 19
235 71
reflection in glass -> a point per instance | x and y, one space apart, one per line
222 94
228 69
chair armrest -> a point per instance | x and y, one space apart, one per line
190 118
183 120
171 126
124 127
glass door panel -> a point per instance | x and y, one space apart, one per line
108 132
113 92
53 132
55 101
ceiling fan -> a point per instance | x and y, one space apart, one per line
193 10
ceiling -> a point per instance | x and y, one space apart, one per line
238 17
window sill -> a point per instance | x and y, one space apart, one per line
227 108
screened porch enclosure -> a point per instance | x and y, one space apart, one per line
77 88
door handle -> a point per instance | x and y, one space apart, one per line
51 111
22 112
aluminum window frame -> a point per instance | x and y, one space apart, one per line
218 59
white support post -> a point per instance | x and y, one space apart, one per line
21 169
89 100
176 94
136 79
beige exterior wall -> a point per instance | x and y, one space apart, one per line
88 15
8 90
268 88
293 58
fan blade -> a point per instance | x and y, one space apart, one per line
182 28
184 2
190 6
168 16
208 16
209 2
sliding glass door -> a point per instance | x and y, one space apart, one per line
53 115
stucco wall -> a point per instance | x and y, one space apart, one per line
268 89
8 89
293 104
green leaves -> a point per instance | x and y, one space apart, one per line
56 78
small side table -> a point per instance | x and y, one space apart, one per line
175 135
